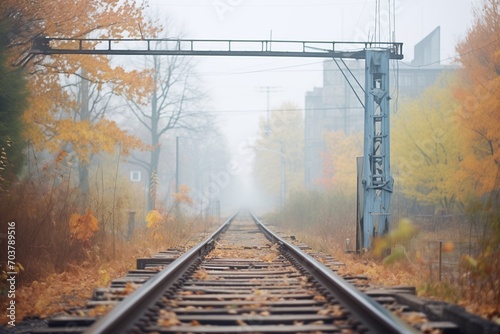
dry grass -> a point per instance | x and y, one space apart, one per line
320 215
59 270
41 211
58 291
460 285
470 271
73 287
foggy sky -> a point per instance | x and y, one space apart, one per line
236 84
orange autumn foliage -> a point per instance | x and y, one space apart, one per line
183 195
91 138
83 227
53 119
448 247
479 97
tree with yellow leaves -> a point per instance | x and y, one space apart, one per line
339 160
426 156
58 118
280 147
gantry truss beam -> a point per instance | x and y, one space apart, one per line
212 47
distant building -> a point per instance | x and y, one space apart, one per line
336 107
427 51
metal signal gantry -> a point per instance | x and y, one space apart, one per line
211 47
377 182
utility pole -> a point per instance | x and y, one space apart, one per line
176 165
268 90
283 177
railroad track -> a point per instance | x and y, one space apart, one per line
242 278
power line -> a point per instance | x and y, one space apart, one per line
305 4
359 17
252 111
268 90
262 70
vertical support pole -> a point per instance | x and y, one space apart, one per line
360 196
131 224
283 180
177 210
217 210
431 260
440 257
377 180
176 165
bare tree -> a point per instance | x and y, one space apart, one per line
92 105
173 103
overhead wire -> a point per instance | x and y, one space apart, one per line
359 17
377 20
375 25
305 4
396 99
394 20
261 70
395 63
236 112
390 27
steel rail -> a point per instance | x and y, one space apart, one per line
125 315
375 317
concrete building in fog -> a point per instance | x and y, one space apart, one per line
336 107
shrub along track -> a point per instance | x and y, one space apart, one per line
243 278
